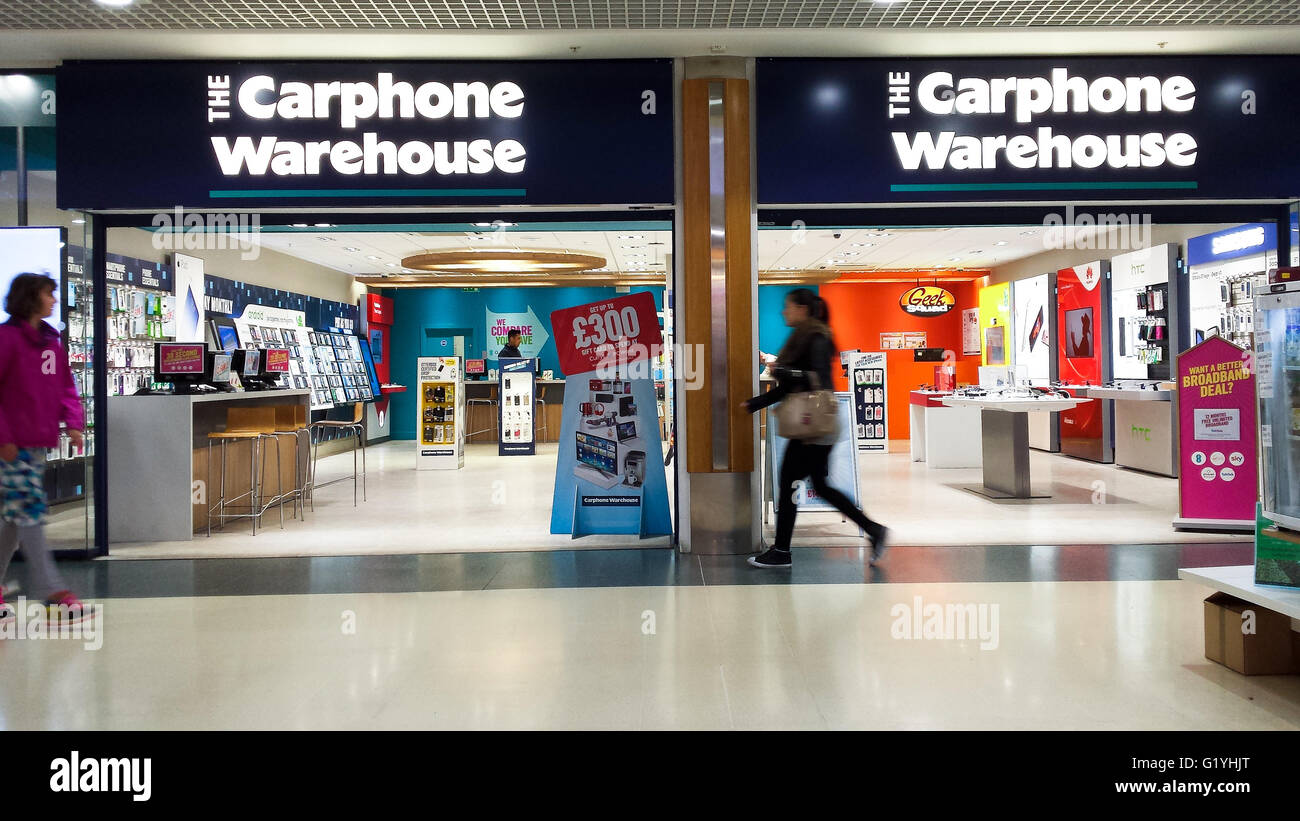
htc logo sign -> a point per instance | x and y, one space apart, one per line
1143 434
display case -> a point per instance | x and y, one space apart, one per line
1277 369
517 421
441 413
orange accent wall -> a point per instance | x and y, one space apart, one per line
861 312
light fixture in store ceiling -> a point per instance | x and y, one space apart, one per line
503 261
114 4
79 221
350 248
390 264
373 257
1000 242
299 225
864 245
324 225
632 236
325 239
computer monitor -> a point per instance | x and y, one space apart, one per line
475 367
598 453
181 364
372 376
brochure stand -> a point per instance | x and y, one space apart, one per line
441 409
868 375
516 421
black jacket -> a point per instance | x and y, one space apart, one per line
816 355
509 352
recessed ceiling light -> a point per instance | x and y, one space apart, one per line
976 251
375 258
78 221
350 248
299 225
953 259
1000 242
391 264
864 245
325 239
115 4
1027 233
324 225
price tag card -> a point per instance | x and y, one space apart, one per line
613 331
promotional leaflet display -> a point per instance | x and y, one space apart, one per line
609 476
1033 319
1225 270
517 423
868 379
1083 356
1145 312
441 408
260 327
1217 479
842 470
995 322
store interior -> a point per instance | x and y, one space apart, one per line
489 501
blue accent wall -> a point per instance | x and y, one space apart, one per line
772 330
416 309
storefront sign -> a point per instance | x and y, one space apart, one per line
927 300
615 331
1242 241
242 134
1217 448
891 130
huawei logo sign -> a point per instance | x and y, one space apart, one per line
1088 277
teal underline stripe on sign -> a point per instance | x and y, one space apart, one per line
317 193
1044 186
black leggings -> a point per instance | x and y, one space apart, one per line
802 459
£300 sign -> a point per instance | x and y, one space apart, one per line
622 330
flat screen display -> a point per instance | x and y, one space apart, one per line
175 358
252 362
1078 333
475 366
31 251
626 430
601 454
227 337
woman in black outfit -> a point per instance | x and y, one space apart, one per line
808 350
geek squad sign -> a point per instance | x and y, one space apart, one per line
884 130
331 134
927 300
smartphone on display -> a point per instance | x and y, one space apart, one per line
1036 329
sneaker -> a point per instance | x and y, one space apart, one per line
879 544
772 558
6 611
64 608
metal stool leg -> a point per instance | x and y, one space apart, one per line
252 479
362 441
354 472
207 490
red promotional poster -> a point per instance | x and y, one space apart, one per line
1083 342
277 360
1216 435
180 357
611 332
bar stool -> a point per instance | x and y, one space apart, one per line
490 403
539 408
291 420
356 428
252 425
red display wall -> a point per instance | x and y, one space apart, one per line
1082 343
861 312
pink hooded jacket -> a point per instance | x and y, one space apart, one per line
36 387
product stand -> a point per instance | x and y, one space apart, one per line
843 469
440 409
516 417
868 382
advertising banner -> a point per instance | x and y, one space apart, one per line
869 381
609 474
1140 316
995 324
189 298
1032 323
532 335
516 419
244 134
176 358
893 130
970 332
842 473
1083 356
1218 456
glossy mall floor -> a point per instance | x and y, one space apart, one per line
1090 632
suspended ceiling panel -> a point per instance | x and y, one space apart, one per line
544 15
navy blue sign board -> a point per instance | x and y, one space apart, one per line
241 135
1025 129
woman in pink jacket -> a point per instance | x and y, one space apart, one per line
36 394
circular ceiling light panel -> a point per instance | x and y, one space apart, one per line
489 261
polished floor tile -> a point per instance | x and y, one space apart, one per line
1067 655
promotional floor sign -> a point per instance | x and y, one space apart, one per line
1218 477
843 463
441 408
870 389
609 475
516 408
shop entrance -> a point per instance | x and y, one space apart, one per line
1012 302
481 453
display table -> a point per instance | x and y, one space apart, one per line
1146 428
1004 434
943 436
1239 581
158 453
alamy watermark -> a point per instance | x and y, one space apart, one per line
34 620
178 230
622 360
1085 231
946 622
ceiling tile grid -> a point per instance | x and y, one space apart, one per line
543 15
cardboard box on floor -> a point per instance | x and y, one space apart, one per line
1271 650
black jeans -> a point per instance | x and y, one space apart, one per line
802 459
